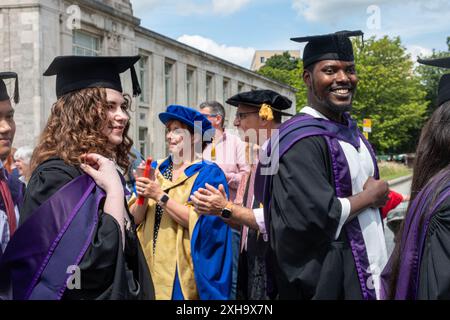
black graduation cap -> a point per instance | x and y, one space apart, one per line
4 91
444 82
258 97
333 46
439 62
79 72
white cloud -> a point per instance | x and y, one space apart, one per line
416 50
237 55
191 7
438 6
332 10
405 18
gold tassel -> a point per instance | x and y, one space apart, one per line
247 153
265 112
213 150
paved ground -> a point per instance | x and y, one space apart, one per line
403 188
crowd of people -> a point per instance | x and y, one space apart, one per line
282 210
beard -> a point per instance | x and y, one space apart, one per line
337 109
329 105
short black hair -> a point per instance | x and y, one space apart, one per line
310 68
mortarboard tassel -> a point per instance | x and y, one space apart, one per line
16 90
213 150
136 88
247 153
265 112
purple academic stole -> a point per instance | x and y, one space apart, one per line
423 208
37 262
304 126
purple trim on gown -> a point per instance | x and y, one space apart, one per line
304 126
413 240
56 236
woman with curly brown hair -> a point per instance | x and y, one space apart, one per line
77 239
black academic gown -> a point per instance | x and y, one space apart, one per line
254 281
305 213
107 271
434 277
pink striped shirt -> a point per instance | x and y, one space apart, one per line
230 157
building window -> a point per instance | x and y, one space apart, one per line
240 87
209 87
143 79
169 83
190 87
85 44
143 141
226 89
263 59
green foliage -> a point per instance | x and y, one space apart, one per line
392 170
288 70
389 93
282 61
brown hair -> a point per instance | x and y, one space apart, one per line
432 157
75 127
188 128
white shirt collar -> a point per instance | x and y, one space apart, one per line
313 112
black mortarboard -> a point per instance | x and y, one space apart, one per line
79 72
333 46
4 91
440 62
258 97
444 82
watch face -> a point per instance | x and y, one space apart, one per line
226 213
164 198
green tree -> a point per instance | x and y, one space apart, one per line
389 93
282 61
286 69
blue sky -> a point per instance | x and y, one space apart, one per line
233 29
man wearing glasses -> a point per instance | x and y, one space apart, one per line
228 152
259 114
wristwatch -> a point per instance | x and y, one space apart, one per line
163 200
227 212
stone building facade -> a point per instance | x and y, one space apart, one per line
33 32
